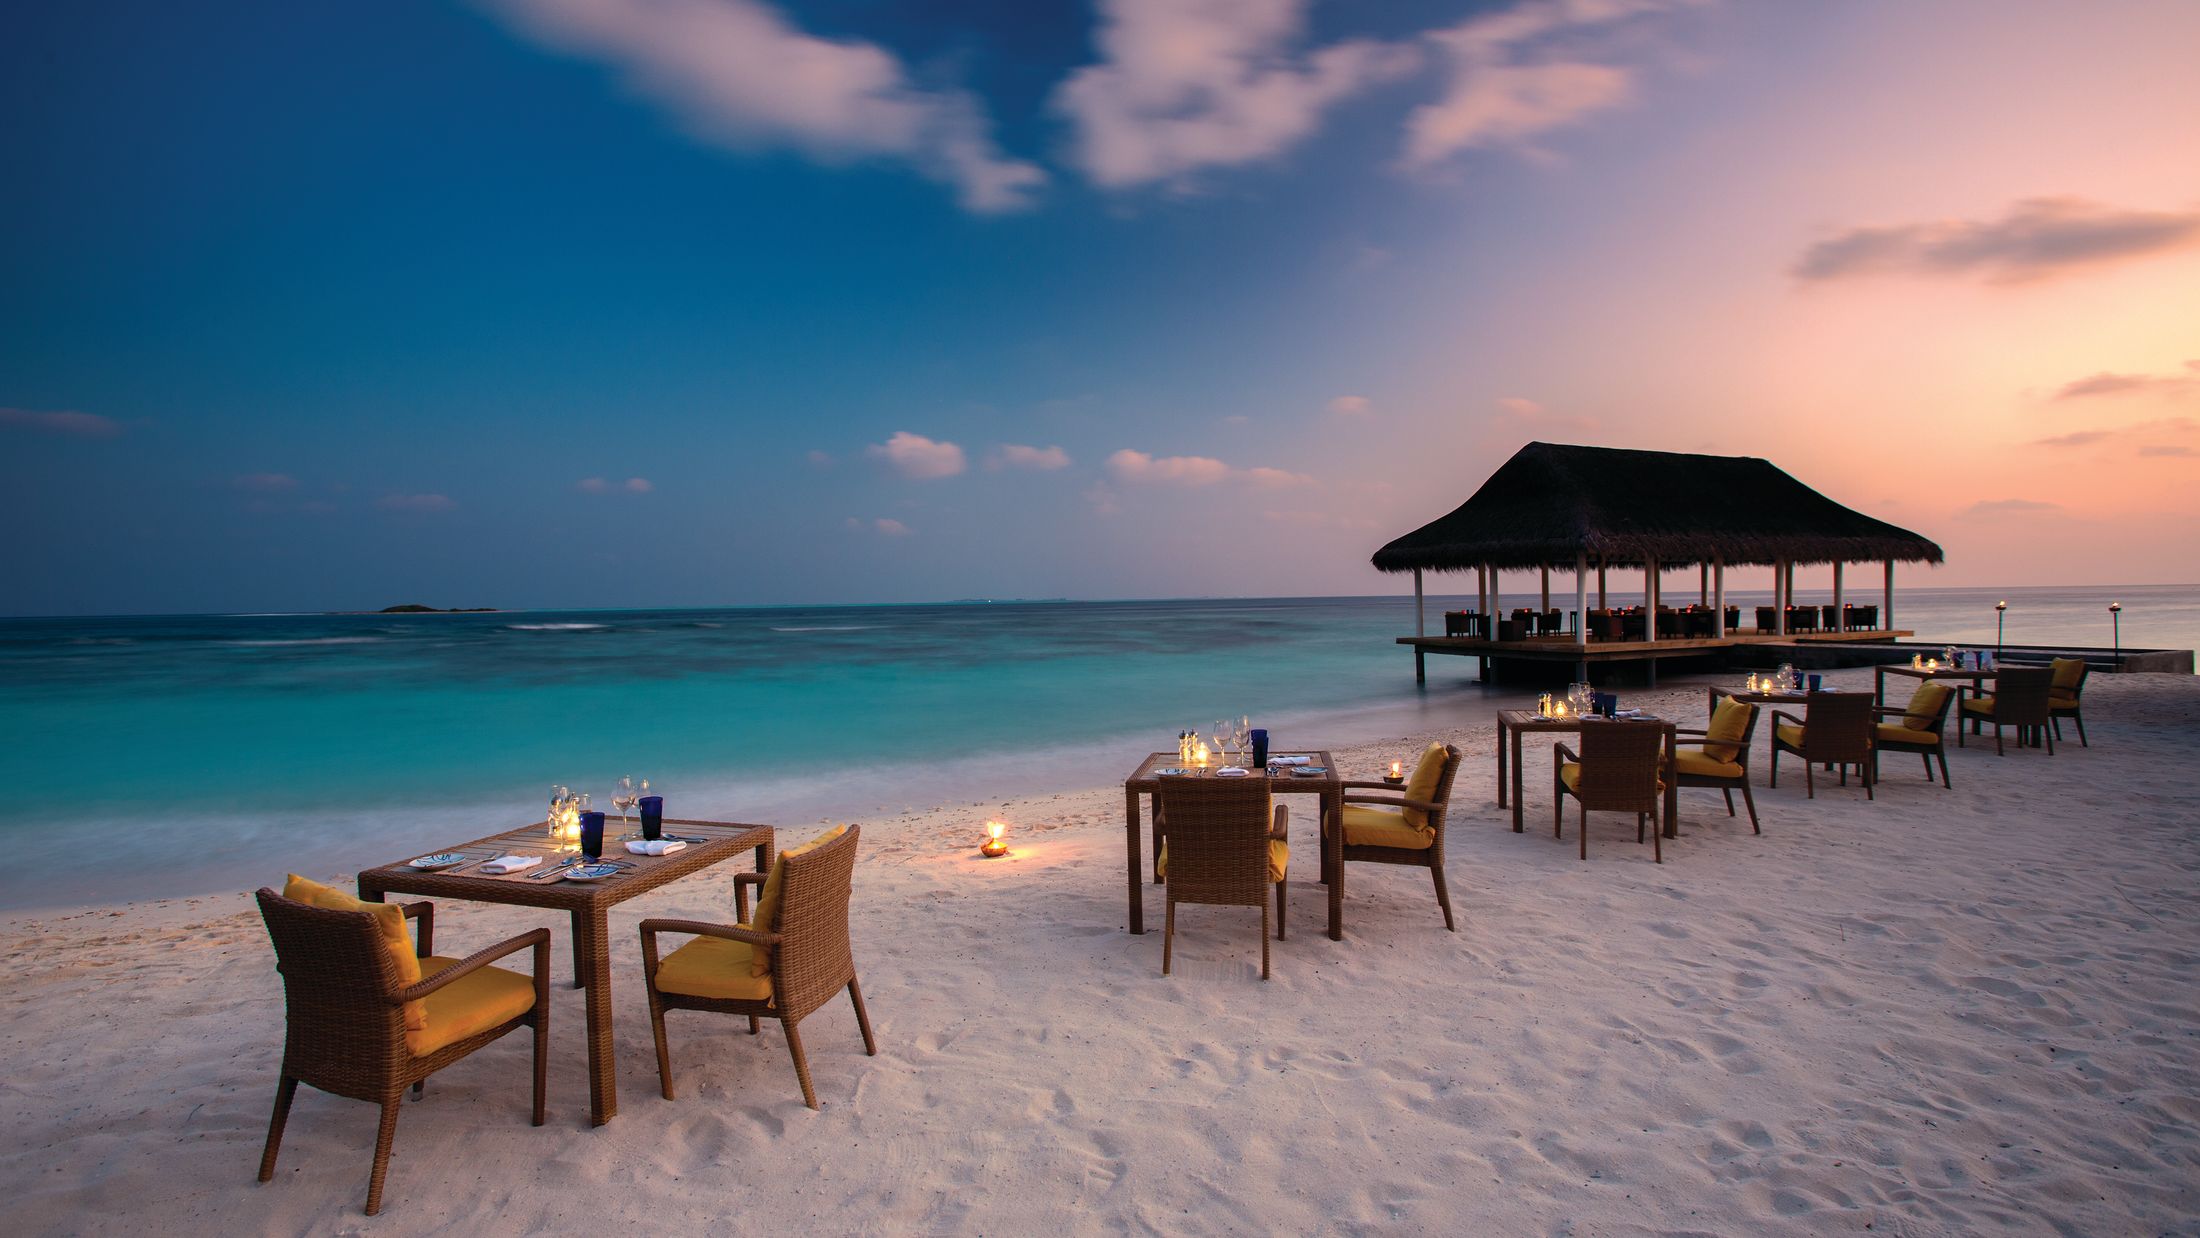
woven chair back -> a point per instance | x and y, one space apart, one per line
336 982
1619 765
1442 796
2020 696
1218 839
1838 726
813 961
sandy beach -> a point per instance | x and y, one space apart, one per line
1943 1012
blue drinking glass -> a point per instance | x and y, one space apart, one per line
653 817
592 835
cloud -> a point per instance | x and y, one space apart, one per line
1137 467
820 460
738 74
2161 428
1532 417
884 526
416 503
1105 501
2077 438
2034 239
639 485
2168 451
592 485
69 424
2106 384
263 483
1352 406
2009 507
1524 71
1017 456
1185 85
914 455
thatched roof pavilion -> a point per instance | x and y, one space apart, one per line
1559 505
1553 502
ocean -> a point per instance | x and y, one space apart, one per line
174 755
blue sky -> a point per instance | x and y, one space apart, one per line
538 302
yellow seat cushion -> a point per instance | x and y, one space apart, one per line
1376 825
1722 740
1979 706
1422 785
2067 672
2061 701
1789 734
1704 765
469 1005
1279 856
1925 705
715 967
388 917
1906 735
766 919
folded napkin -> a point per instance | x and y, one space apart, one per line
1290 760
510 864
656 846
1232 771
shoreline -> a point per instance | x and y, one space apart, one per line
1933 1011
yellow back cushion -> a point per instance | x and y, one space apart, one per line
766 919
1722 740
2068 671
389 918
1422 785
1924 706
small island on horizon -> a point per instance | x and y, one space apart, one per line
415 608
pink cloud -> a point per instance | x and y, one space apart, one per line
884 526
2106 384
915 456
1138 467
416 503
1352 406
71 424
1535 419
820 460
592 485
2034 239
639 485
1017 456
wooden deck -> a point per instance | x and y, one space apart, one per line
1563 648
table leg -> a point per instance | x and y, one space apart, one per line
1501 761
1519 793
1879 685
580 953
1333 860
603 1066
1672 798
1134 862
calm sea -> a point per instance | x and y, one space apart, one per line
177 755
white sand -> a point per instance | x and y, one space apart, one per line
1944 1012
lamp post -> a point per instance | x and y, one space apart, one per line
2001 611
2116 619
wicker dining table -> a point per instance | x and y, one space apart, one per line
1329 785
589 903
1971 675
1513 723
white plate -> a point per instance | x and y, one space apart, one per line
592 872
1309 771
441 859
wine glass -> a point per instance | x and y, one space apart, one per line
624 798
1245 738
1222 739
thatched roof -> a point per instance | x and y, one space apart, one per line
1552 501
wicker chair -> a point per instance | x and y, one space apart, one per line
2064 692
1226 846
2019 699
347 1031
1922 729
1720 756
801 920
1618 769
1389 824
1838 733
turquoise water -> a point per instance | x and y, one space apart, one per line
207 752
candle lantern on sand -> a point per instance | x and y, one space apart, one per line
994 848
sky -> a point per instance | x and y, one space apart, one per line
529 303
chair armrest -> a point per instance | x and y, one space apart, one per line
699 928
1393 799
1364 784
1779 714
1561 754
1690 730
741 884
1281 826
474 962
425 913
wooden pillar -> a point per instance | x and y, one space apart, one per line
1482 590
1886 609
1546 589
1581 602
1840 612
1650 600
1703 584
1718 597
1782 580
1601 603
1420 612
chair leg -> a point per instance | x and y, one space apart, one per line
1999 751
284 1091
1751 800
1945 784
2056 722
1638 829
1282 921
1810 782
1168 936
1775 783
863 1017
1657 835
1264 939
2079 719
542 1064
383 1138
801 1064
1584 831
1728 792
664 1052
2050 738
1869 772
1443 896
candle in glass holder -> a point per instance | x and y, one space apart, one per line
993 848
1397 771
